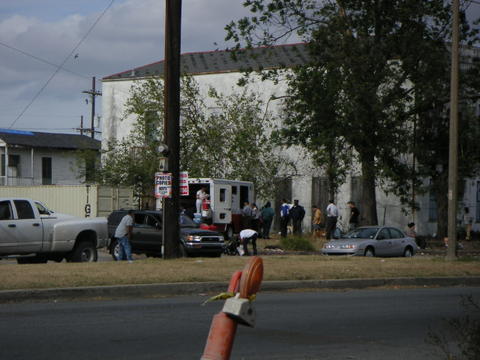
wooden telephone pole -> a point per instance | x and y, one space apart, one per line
93 94
171 128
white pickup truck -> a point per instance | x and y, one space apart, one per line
35 234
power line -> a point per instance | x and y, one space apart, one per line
42 60
61 65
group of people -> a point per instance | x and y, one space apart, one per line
294 213
331 217
259 220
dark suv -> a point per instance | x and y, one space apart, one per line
147 235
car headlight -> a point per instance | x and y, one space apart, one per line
193 238
348 246
329 246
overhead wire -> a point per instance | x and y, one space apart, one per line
42 60
61 65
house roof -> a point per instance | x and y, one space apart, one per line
48 140
222 61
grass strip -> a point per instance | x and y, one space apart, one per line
288 267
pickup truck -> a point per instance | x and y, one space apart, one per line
35 234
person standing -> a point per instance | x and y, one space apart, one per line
317 220
354 215
124 234
246 215
246 236
467 221
201 195
284 217
332 216
267 217
297 213
256 215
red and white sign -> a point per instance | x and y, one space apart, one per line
163 185
184 190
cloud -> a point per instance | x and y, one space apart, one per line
130 34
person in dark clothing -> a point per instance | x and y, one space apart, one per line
354 215
297 213
267 218
284 217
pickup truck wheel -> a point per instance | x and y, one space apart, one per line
85 251
115 249
229 233
183 251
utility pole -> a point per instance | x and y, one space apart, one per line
93 93
171 227
453 142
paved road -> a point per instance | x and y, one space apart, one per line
359 324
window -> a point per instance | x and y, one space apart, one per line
222 194
383 234
46 171
13 162
24 209
395 234
42 209
5 210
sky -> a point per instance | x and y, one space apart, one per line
37 36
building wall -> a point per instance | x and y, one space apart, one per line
64 166
389 208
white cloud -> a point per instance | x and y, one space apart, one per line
129 35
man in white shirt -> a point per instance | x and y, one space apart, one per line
331 222
201 195
246 236
123 233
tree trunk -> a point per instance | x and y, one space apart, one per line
369 199
440 186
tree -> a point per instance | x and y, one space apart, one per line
233 141
378 55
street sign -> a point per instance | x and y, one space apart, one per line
163 185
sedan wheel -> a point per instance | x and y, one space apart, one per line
369 252
408 252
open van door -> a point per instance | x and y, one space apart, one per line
222 206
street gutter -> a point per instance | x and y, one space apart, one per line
203 288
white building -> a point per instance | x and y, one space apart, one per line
38 158
217 69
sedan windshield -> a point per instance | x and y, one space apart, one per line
362 233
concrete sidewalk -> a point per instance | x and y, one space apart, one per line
174 289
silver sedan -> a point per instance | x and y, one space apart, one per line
372 241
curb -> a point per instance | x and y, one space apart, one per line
175 289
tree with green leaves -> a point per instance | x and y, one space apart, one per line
372 60
231 141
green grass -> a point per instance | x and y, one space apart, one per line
296 243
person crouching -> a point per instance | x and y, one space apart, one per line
246 236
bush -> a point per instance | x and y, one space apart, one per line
296 244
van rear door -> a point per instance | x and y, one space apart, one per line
222 204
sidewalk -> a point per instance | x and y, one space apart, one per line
203 288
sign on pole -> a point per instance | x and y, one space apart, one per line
163 185
184 190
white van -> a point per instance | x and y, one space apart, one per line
226 199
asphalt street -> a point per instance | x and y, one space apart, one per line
354 324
